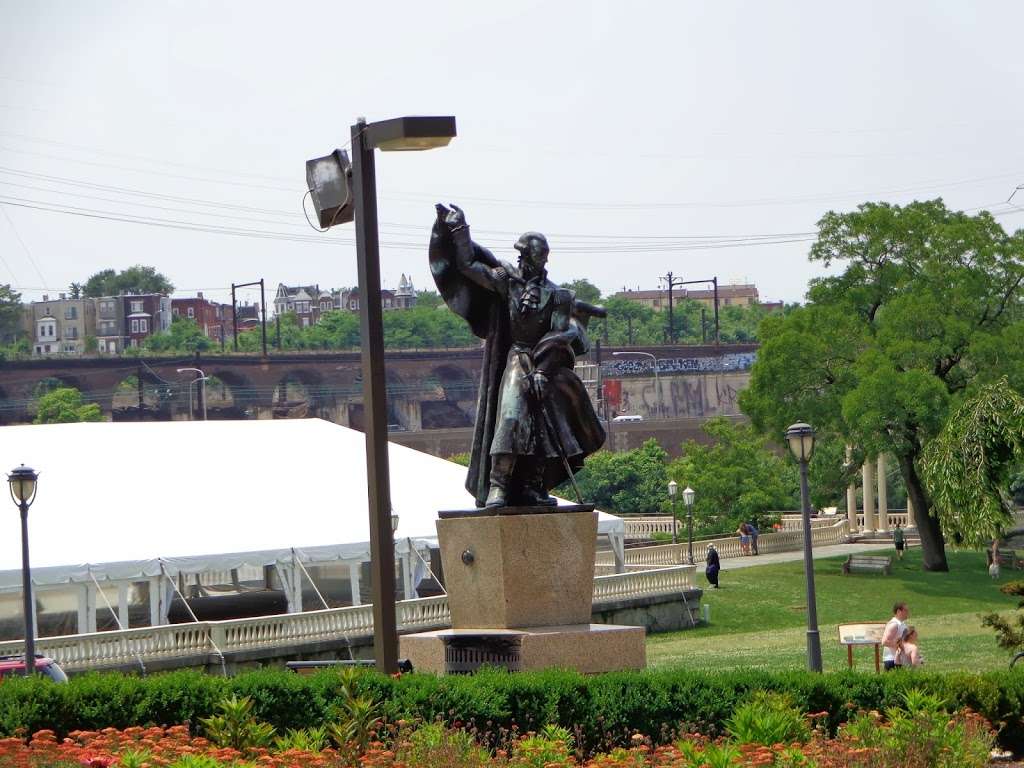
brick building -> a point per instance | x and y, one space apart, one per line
213 318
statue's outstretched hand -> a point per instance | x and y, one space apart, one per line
455 218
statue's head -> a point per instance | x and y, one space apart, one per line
533 250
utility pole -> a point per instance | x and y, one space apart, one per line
671 282
263 309
278 318
234 318
703 325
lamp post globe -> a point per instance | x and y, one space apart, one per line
673 488
23 484
688 495
800 437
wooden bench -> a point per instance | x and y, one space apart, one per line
1008 558
867 564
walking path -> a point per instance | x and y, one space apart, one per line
834 550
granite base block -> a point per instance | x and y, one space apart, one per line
586 648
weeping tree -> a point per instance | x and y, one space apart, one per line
970 464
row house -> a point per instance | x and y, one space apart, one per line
128 320
741 295
404 297
213 318
308 302
60 326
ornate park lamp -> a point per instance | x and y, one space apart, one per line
23 482
801 442
340 193
688 495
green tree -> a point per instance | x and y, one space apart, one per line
65 405
585 290
736 478
11 312
969 467
75 290
628 482
184 335
429 299
630 323
928 307
137 279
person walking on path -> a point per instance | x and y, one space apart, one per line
713 566
893 635
899 540
744 532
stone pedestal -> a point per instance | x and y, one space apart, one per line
529 570
520 585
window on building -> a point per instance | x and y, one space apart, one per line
135 326
143 325
305 322
353 304
39 350
174 311
46 348
71 313
72 332
136 306
387 303
191 312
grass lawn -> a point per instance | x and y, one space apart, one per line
758 617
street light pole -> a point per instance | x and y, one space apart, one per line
201 378
801 442
330 184
22 483
673 486
688 495
654 363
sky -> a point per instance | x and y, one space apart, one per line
701 138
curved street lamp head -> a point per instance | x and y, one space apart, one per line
688 495
673 487
800 437
394 522
23 484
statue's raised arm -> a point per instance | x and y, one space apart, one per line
535 423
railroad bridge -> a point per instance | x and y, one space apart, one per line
429 391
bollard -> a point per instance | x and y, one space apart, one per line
707 613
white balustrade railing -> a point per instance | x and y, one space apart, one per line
646 527
901 517
836 532
795 522
148 644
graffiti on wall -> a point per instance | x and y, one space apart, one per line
734 361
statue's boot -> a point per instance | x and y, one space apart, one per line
534 492
501 472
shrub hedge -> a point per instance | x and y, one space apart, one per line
602 711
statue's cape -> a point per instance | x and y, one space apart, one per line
487 315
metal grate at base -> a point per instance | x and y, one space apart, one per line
464 655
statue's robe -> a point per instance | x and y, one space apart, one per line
569 413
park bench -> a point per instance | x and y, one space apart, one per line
867 564
1008 558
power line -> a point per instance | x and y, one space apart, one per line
24 247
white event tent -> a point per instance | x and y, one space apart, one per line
128 515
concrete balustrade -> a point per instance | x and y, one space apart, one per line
833 531
206 638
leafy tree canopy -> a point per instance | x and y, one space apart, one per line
970 465
137 279
928 307
65 405
10 314
584 289
736 478
628 482
184 335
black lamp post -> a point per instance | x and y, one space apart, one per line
23 486
340 193
801 442
688 501
673 488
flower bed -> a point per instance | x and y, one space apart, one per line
765 729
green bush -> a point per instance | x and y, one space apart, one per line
601 712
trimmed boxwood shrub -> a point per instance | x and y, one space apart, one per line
602 711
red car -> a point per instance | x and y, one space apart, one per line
14 666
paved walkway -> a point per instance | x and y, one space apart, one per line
731 563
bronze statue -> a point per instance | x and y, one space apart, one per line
534 422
